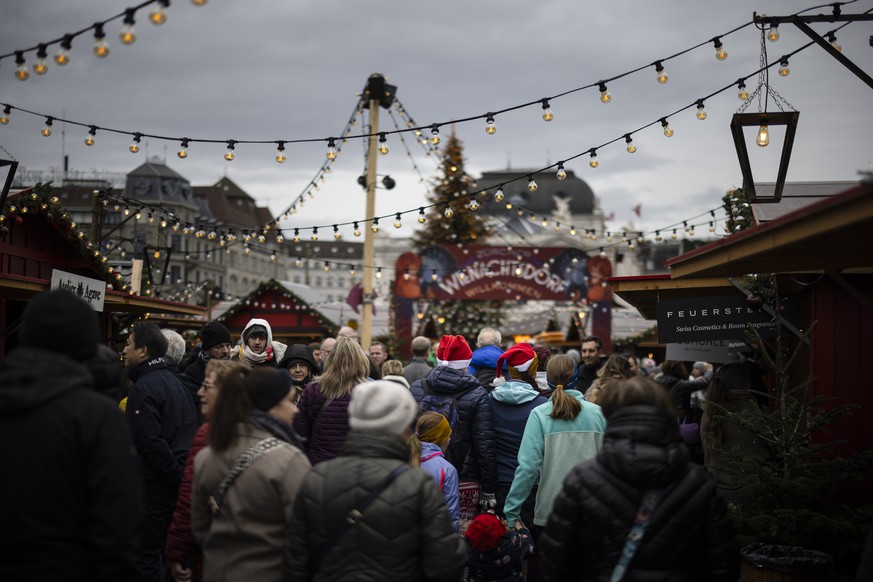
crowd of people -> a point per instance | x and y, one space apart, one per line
326 461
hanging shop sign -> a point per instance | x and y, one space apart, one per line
500 273
711 318
92 291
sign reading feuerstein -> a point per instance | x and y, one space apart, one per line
712 318
91 291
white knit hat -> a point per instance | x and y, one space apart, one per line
382 406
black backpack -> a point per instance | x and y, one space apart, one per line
447 405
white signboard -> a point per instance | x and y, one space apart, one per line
704 351
92 291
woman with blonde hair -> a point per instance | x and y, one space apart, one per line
617 367
323 419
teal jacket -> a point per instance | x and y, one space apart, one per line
550 448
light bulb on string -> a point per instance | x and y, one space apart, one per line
561 174
326 266
397 221
158 15
661 73
605 97
593 161
448 212
134 145
383 144
336 232
701 112
832 38
375 226
572 231
183 149
229 155
352 271
720 52
433 275
296 235
531 184
547 111
668 131
101 47
474 204
784 71
763 137
4 119
138 214
674 236
498 195
22 72
41 68
357 229
314 236
490 128
62 57
331 149
421 218
379 273
47 129
631 148
280 152
742 92
280 239
658 237
773 33
435 134
128 34
89 140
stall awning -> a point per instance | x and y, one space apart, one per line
645 291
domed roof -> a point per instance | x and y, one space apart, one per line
551 195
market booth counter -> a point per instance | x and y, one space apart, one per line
41 248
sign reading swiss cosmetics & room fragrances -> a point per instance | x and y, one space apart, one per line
711 318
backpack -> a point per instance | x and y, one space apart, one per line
447 405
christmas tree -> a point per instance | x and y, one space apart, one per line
454 220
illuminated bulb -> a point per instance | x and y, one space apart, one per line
198 2
331 149
561 174
22 72
773 33
742 92
498 196
832 38
662 74
379 273
701 112
164 223
352 271
47 130
435 134
89 141
4 119
262 239
668 131
357 231
101 48
406 275
572 231
134 145
128 34
228 155
448 212
40 68
434 276
375 226
763 137
280 153
490 128
138 214
158 16
62 57
605 97
720 52
397 223
474 204
421 217
383 144
547 111
248 249
593 161
674 235
784 71
545 222
314 236
183 149
326 267
631 148
531 184
279 239
336 233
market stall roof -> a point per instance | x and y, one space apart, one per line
644 292
833 234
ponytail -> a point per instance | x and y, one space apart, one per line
561 373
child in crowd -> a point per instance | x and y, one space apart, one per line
496 552
434 433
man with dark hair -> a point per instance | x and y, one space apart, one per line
418 367
591 360
163 419
379 353
215 344
70 495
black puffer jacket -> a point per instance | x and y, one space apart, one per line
474 419
405 534
688 536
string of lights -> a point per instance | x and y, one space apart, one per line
127 36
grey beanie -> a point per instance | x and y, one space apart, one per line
382 406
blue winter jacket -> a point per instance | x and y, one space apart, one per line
474 423
434 462
511 404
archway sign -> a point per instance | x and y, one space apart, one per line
473 273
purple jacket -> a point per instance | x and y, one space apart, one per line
324 441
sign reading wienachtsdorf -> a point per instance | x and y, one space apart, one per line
712 318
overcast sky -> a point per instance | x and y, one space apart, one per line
269 70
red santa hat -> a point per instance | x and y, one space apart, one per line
454 352
519 358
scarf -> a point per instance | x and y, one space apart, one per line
571 383
276 427
252 359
